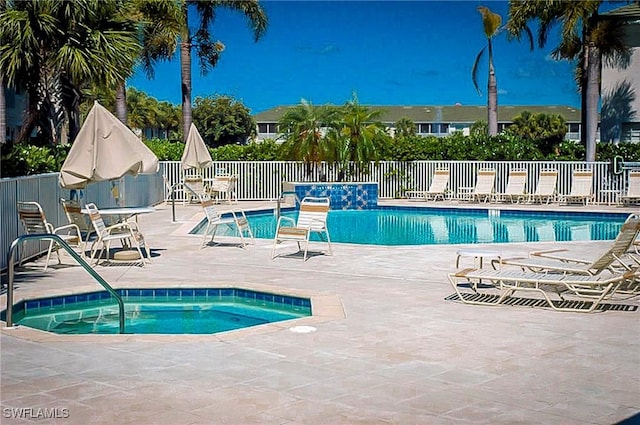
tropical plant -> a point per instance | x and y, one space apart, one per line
547 130
223 120
357 137
55 49
405 127
303 129
208 50
586 37
160 26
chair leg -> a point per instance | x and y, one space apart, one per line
329 243
46 264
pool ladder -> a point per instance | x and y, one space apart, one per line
57 239
279 201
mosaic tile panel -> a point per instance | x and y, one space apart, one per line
343 196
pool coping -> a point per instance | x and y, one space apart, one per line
324 308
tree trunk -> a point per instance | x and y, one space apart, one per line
591 96
3 114
185 76
492 97
121 102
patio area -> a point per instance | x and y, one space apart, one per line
388 347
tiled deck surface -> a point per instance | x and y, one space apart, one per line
388 347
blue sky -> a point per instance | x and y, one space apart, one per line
387 52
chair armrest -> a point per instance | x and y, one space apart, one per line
67 227
283 219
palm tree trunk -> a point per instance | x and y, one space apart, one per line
185 75
591 95
3 114
121 103
492 97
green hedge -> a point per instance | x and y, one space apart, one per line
20 160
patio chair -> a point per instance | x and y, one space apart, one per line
34 221
74 214
546 190
223 187
581 188
483 190
588 290
632 195
437 188
194 188
515 190
235 218
312 218
616 257
126 232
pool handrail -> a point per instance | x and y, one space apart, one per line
57 239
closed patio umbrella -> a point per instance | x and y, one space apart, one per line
196 154
105 149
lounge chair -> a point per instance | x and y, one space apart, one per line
632 195
546 190
616 257
483 190
516 188
437 188
588 290
312 218
126 232
581 188
193 188
235 218
34 221
74 214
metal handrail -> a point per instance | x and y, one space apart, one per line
57 239
172 195
278 201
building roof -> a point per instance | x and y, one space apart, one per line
444 114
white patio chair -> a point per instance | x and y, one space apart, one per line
233 218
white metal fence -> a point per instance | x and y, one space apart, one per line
263 181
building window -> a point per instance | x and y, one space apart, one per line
574 128
424 128
444 128
267 128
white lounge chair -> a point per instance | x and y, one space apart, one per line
126 232
312 218
516 187
223 187
581 188
616 257
233 218
437 188
546 189
632 195
589 290
34 221
483 190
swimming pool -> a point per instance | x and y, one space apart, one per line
160 311
428 226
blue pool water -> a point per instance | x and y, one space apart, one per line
160 311
426 226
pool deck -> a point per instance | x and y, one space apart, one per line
387 347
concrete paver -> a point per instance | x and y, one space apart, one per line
388 347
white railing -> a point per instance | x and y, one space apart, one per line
263 180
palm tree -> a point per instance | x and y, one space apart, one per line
208 50
160 26
55 49
585 37
303 129
491 23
